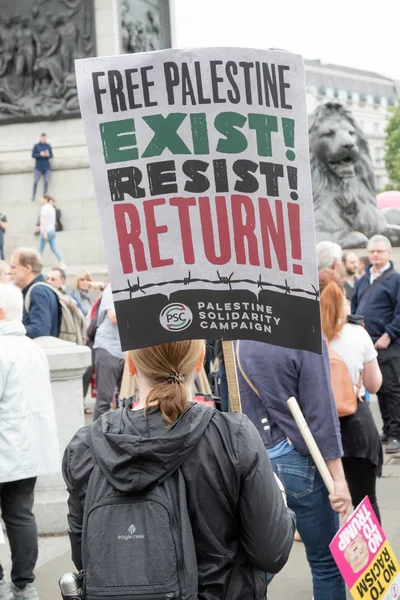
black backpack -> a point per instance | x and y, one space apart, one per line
137 546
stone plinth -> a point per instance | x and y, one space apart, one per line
81 243
67 363
71 184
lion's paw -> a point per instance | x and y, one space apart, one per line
353 239
392 215
393 233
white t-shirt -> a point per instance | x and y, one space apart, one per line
48 215
356 348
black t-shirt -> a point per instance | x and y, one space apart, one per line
360 436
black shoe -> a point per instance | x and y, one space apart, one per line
392 446
384 438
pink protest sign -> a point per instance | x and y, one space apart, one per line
365 557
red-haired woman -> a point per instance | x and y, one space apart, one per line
362 461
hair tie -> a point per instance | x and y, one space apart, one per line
175 377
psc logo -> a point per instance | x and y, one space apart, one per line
176 317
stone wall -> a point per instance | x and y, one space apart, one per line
71 182
80 243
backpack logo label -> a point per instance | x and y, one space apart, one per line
131 534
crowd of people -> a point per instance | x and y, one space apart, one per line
374 296
242 525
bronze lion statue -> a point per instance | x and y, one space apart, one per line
343 181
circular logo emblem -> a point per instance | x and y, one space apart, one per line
176 317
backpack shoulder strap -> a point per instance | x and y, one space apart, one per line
27 303
243 374
250 383
378 280
334 354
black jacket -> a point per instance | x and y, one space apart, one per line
381 307
241 525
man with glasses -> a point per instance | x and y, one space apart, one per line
377 298
58 279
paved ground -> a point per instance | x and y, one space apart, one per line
293 582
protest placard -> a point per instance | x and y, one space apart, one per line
365 557
201 170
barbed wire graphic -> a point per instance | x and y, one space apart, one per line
134 288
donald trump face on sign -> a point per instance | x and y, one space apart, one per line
357 553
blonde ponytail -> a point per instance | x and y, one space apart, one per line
169 369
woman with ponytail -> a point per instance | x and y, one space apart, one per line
362 461
235 513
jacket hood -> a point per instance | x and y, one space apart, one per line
136 451
12 328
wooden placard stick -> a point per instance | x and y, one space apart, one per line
231 376
311 443
205 384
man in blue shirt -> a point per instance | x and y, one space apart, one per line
43 317
42 152
57 277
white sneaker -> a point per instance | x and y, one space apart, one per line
63 266
5 591
28 593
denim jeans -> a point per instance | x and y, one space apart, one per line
16 501
51 239
317 523
36 176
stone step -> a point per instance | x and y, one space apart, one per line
77 247
64 185
79 213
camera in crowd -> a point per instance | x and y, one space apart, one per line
355 320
